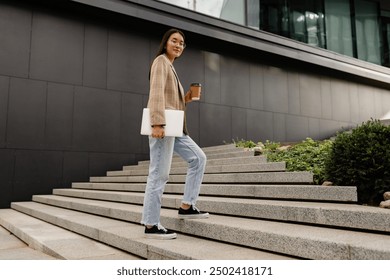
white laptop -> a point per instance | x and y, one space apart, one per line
174 123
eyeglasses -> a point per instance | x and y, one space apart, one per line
180 44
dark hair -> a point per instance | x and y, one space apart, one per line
165 38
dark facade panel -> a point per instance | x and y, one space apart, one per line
100 163
239 126
57 48
294 94
128 61
276 90
97 120
59 116
279 127
260 125
7 163
256 84
130 138
215 125
310 96
15 31
95 56
296 126
36 172
75 168
212 86
4 86
235 85
193 120
26 114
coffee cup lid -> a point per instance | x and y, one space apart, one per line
196 85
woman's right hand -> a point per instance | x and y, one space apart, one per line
158 131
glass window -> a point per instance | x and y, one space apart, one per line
368 41
253 13
234 11
307 22
274 17
338 26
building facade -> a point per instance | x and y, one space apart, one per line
74 80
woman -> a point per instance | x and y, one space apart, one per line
166 92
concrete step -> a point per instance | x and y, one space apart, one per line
58 242
235 168
219 148
319 213
300 241
234 154
129 237
287 192
12 248
210 162
227 178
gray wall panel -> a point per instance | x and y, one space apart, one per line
310 96
4 86
212 87
275 90
340 101
326 98
15 31
256 83
7 163
59 116
294 96
36 172
95 56
57 49
128 62
296 126
314 128
193 120
100 163
366 103
26 114
259 125
235 86
131 140
215 124
75 168
279 127
239 125
97 120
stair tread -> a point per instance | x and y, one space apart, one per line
130 237
228 178
329 214
302 192
234 168
58 242
304 241
210 162
323 213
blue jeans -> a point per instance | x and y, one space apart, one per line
161 152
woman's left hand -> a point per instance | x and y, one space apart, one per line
187 97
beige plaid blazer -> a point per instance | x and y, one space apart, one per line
166 91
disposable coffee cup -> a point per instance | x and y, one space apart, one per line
195 89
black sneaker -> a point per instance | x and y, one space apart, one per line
159 232
192 213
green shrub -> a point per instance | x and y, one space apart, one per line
309 155
245 143
361 158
